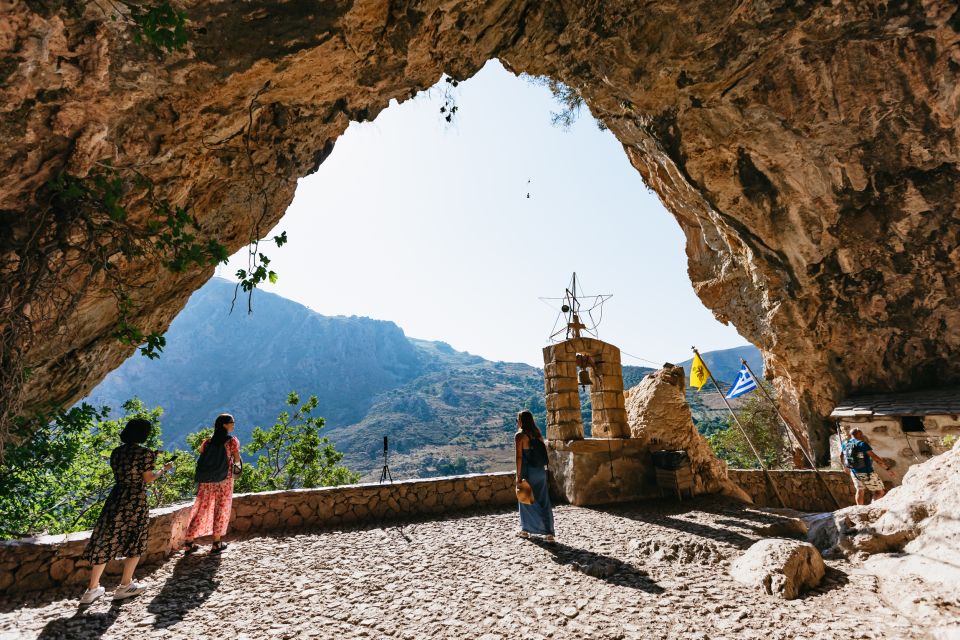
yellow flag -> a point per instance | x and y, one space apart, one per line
698 372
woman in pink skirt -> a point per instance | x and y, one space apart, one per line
211 510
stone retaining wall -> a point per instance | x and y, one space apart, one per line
46 561
43 562
801 489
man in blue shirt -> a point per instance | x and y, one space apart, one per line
858 457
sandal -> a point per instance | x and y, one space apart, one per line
190 546
218 547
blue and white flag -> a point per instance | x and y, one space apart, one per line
743 384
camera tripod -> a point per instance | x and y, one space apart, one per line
385 472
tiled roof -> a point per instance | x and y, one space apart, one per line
914 403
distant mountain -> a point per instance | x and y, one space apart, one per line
725 363
444 411
244 364
435 403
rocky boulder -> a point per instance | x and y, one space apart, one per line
778 567
659 417
921 517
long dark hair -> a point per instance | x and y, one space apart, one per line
528 425
220 433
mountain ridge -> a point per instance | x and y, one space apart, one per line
443 410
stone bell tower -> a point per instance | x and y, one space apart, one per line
605 467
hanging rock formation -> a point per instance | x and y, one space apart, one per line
808 150
659 418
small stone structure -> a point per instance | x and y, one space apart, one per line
903 428
46 561
560 379
615 464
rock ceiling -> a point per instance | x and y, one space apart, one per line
808 150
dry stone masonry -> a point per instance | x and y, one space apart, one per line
39 563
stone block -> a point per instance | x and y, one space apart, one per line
613 400
270 520
295 521
340 508
560 385
288 512
553 401
609 383
565 431
304 510
464 500
240 525
608 369
61 569
596 402
484 495
6 579
33 576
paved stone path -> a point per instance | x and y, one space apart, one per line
642 571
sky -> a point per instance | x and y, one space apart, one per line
455 231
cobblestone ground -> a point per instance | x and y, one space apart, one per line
648 570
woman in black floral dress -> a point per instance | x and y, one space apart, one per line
121 529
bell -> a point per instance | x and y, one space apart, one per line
584 378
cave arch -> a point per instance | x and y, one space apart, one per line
809 153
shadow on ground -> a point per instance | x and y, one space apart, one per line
83 624
193 581
598 565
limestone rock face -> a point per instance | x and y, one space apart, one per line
659 418
780 567
809 152
921 517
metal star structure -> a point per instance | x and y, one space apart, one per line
578 310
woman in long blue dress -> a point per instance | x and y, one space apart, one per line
536 518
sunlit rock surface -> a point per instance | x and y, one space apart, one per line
808 150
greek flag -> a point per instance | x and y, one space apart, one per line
743 384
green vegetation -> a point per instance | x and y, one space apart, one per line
56 478
292 455
761 424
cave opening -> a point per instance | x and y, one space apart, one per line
450 225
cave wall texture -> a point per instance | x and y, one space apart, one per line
808 150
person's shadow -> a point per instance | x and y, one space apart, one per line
598 565
82 625
193 581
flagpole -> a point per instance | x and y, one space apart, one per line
766 472
791 431
802 441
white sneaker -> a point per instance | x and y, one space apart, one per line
91 594
522 534
132 589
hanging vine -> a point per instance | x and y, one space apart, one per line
80 237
